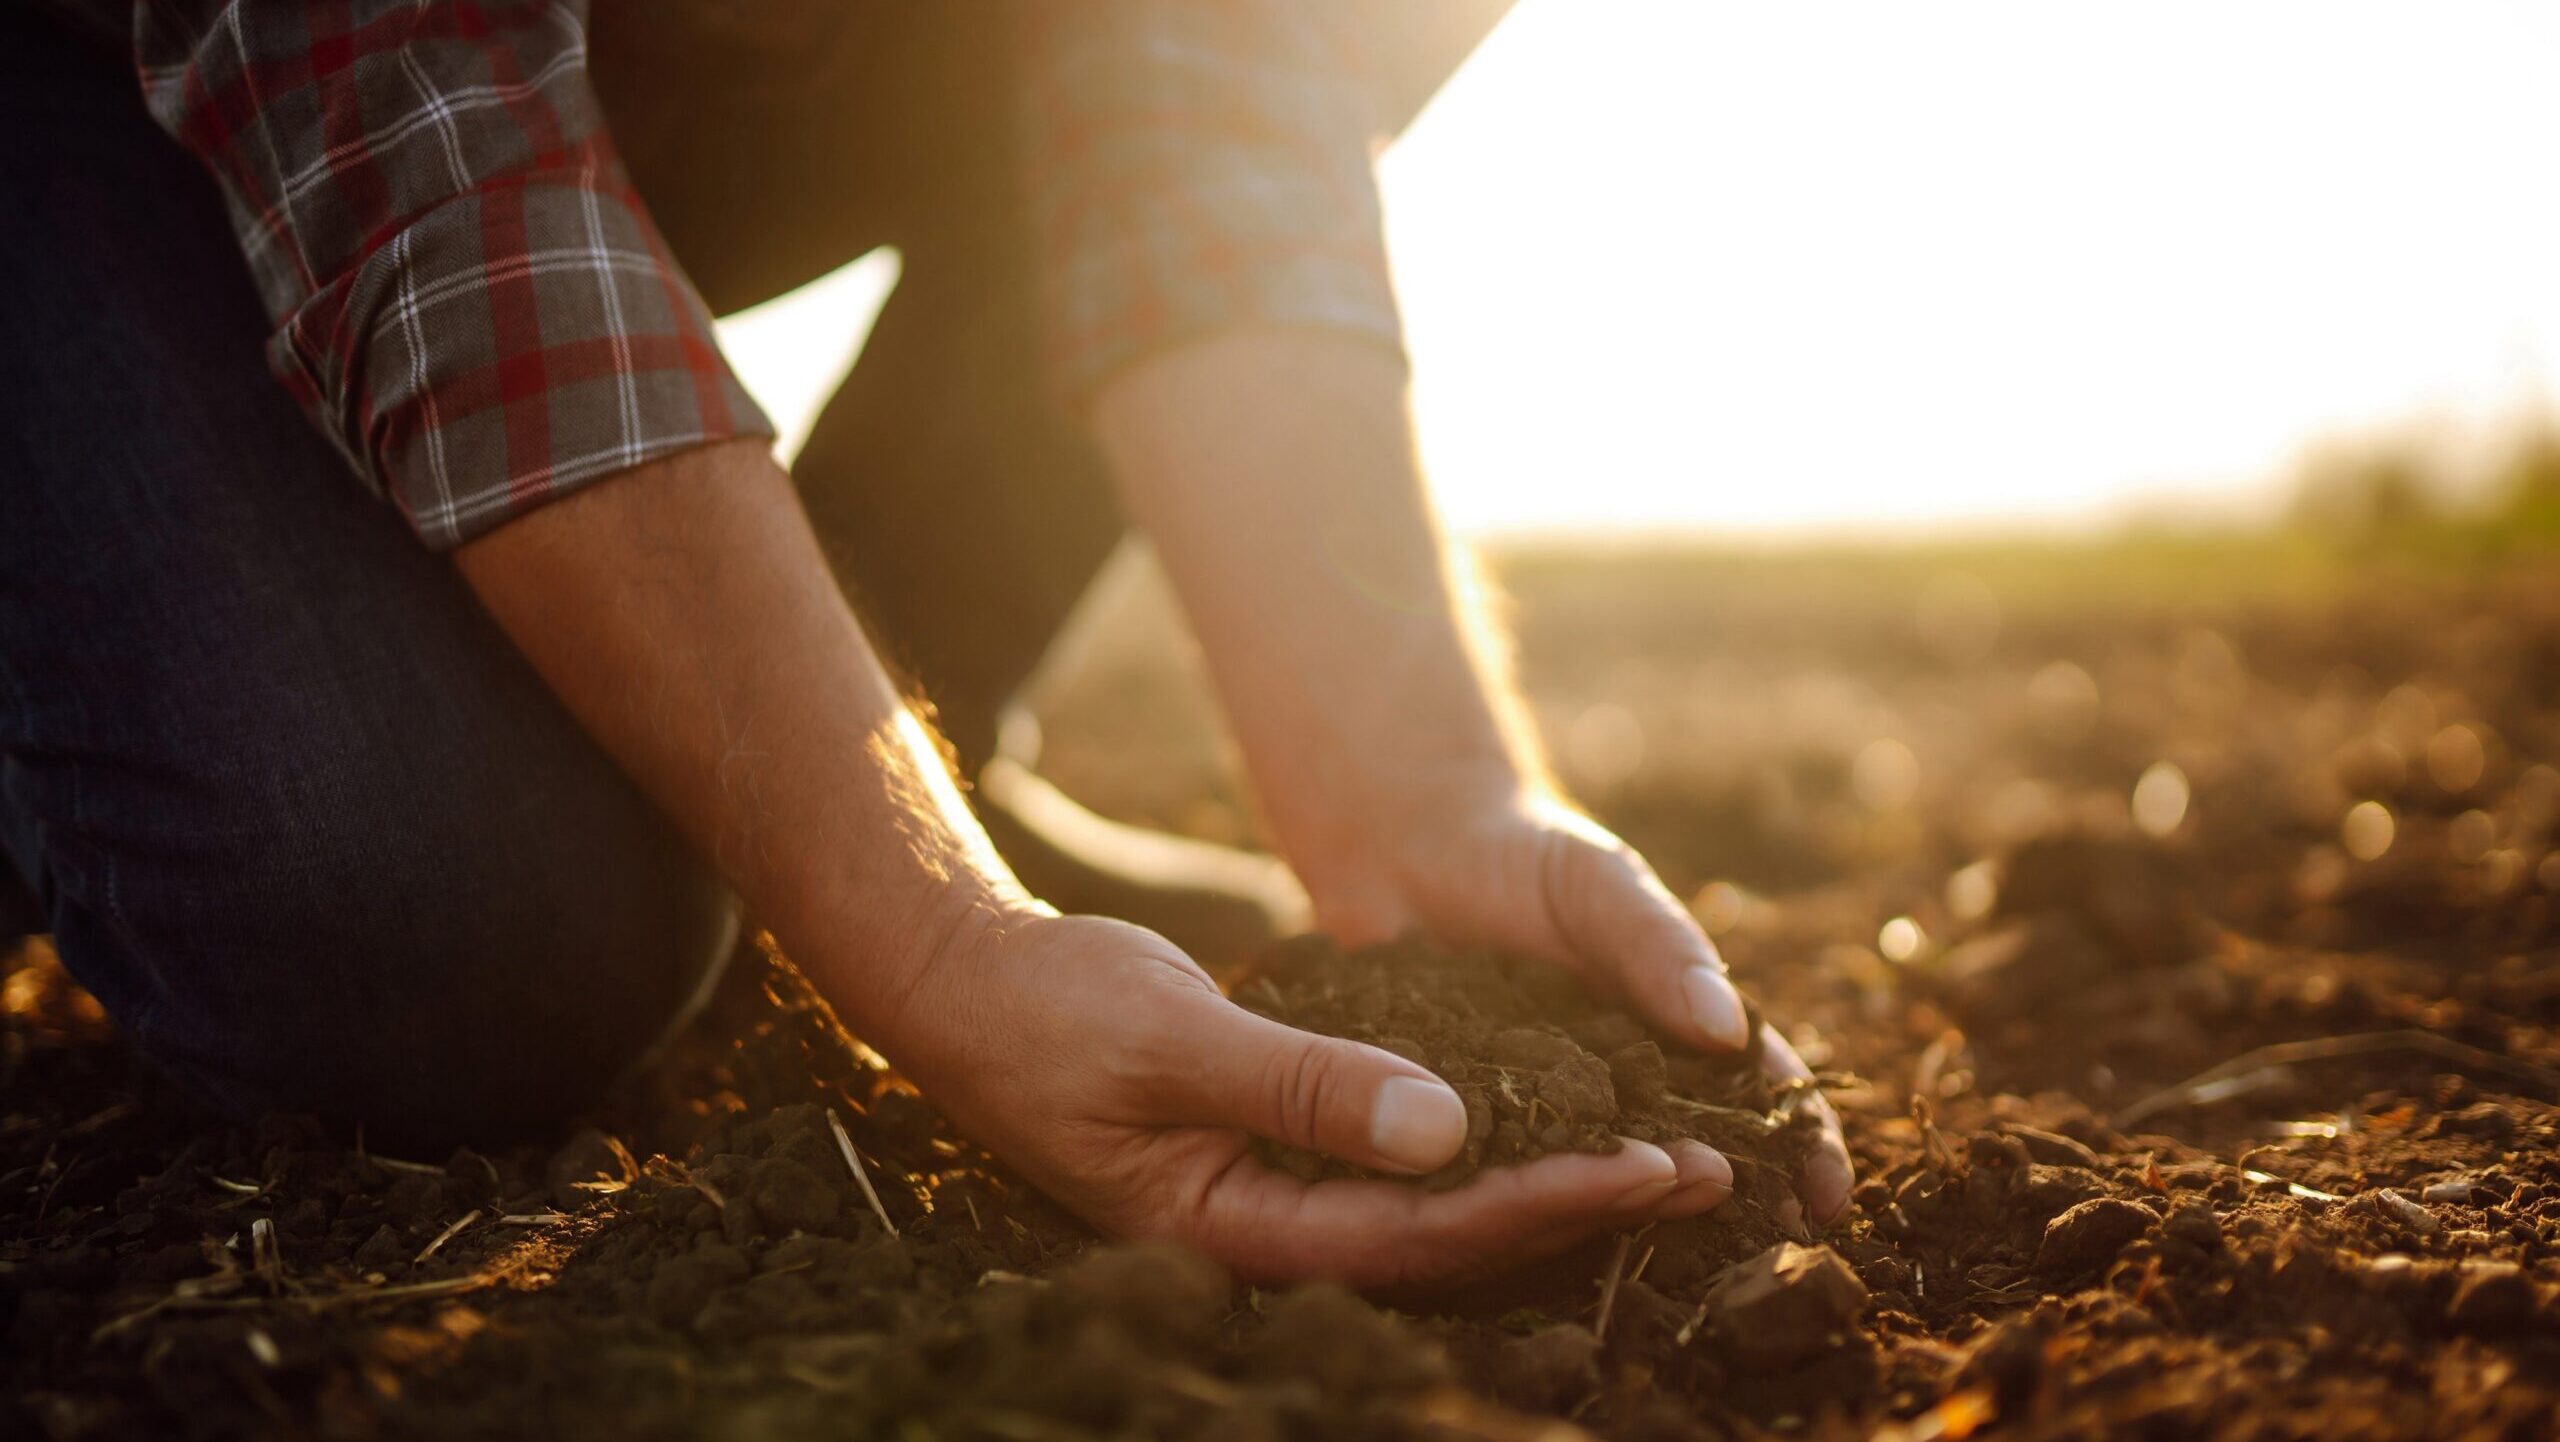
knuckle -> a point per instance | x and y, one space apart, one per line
1589 880
1566 877
1298 1084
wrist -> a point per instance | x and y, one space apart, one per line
872 959
1359 875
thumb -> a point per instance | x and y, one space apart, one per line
1365 1106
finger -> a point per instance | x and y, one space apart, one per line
1270 1227
1827 1172
1625 928
1368 1107
1704 1182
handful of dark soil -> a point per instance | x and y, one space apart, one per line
1542 1066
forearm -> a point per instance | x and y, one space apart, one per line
1277 473
685 615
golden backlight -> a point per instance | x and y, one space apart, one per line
1883 268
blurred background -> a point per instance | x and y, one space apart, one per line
1873 271
1909 434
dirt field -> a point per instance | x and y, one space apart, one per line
2173 923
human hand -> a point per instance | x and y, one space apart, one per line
1511 866
1104 1064
1276 473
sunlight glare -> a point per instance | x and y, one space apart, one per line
1888 270
1878 267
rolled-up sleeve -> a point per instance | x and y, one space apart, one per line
1196 169
469 298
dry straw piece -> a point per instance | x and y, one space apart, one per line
853 1163
448 1234
1609 1288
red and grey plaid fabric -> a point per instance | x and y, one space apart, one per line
474 305
1198 167
469 298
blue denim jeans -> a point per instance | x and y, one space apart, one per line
288 802
282 795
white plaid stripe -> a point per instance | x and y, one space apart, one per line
1223 179
466 379
610 286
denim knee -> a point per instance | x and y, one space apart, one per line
437 975
290 803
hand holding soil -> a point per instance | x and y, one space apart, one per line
1105 1065
1513 869
1103 1062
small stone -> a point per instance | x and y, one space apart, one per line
1785 1305
2090 1235
1548 1370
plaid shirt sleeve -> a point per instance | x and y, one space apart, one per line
1196 168
469 298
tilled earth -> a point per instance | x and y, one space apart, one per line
1541 1065
2180 947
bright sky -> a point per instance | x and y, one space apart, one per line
1879 267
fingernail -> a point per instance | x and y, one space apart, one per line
1415 1124
1702 1166
1664 1178
1715 1006
1706 1181
1827 1186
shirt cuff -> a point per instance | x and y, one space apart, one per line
508 347
1120 306
1194 170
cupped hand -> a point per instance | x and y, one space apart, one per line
1102 1063
1515 868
